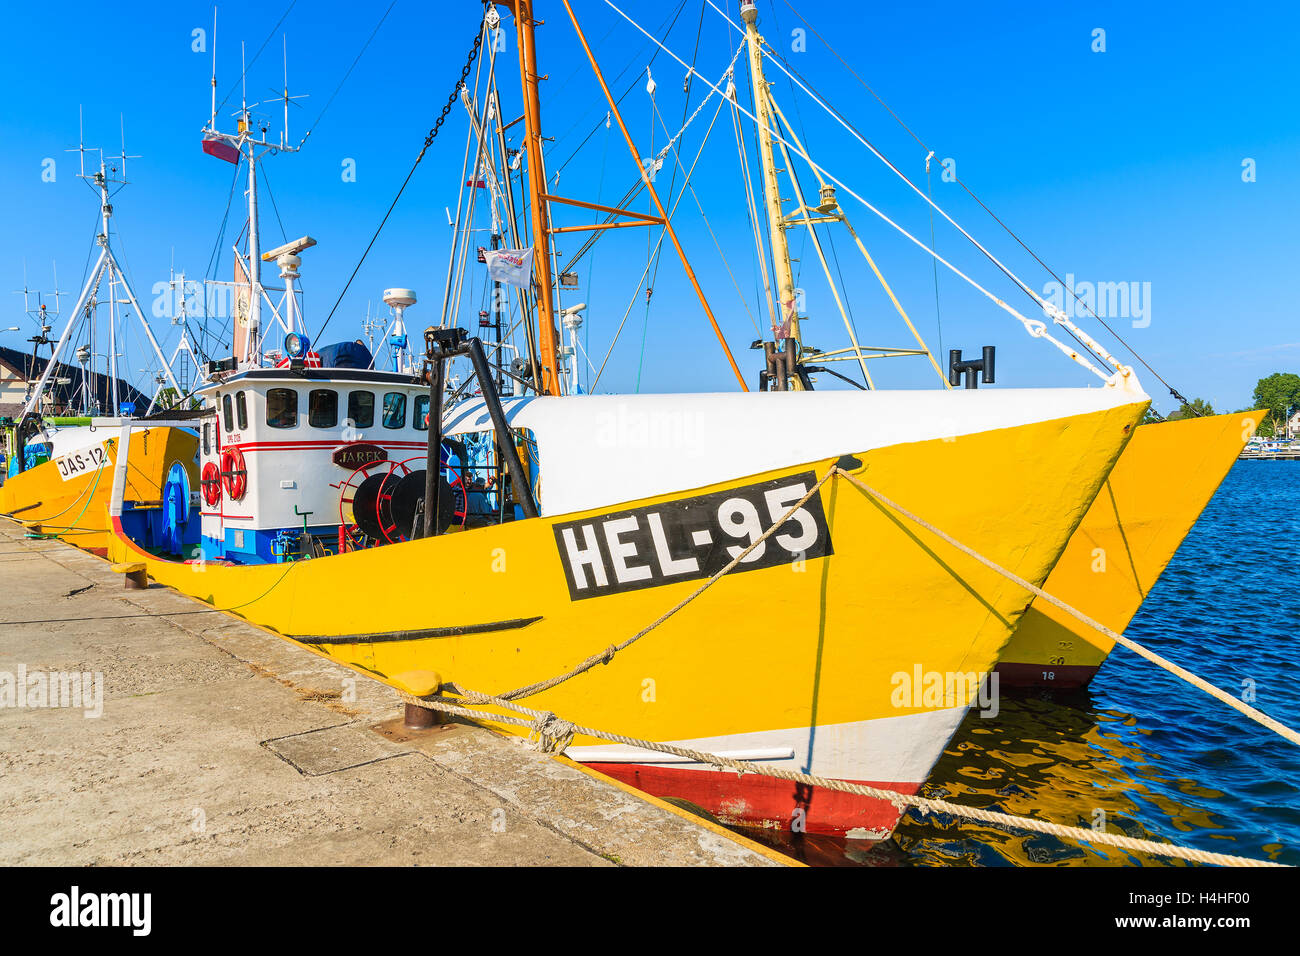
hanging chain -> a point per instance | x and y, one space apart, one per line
451 100
428 141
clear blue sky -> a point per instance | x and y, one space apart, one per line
1122 166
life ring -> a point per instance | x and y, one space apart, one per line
211 484
234 473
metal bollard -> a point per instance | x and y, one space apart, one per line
421 718
134 575
420 684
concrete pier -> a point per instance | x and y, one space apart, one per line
185 736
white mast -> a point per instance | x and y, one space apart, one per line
247 142
106 267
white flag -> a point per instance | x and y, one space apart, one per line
511 266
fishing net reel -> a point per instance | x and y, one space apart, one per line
175 513
382 502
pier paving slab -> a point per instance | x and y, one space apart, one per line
219 743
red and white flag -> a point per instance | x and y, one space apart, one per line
310 360
511 266
218 146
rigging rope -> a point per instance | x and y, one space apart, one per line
759 245
428 141
1034 327
1172 391
365 46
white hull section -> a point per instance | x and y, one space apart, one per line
599 450
888 749
67 439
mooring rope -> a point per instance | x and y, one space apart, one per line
87 492
1253 713
552 734
607 655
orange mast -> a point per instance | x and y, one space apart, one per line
539 199
654 194
547 337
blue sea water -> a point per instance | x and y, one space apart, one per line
1160 759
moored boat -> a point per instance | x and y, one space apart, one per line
68 496
62 489
503 541
1159 487
792 662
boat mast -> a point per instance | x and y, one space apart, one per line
546 331
788 328
244 143
254 356
106 271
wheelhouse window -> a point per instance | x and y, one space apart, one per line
395 410
361 409
227 413
207 438
421 422
282 408
241 410
323 408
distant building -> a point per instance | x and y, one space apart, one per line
63 393
1293 426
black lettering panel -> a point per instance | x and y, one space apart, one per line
692 538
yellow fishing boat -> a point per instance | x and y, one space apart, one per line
1157 490
63 489
502 540
68 496
795 659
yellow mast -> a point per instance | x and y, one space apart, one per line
771 189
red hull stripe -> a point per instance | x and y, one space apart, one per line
766 801
300 445
1060 676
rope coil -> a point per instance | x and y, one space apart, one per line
550 734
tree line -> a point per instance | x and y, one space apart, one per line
1278 394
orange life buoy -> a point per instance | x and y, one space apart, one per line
234 473
211 484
